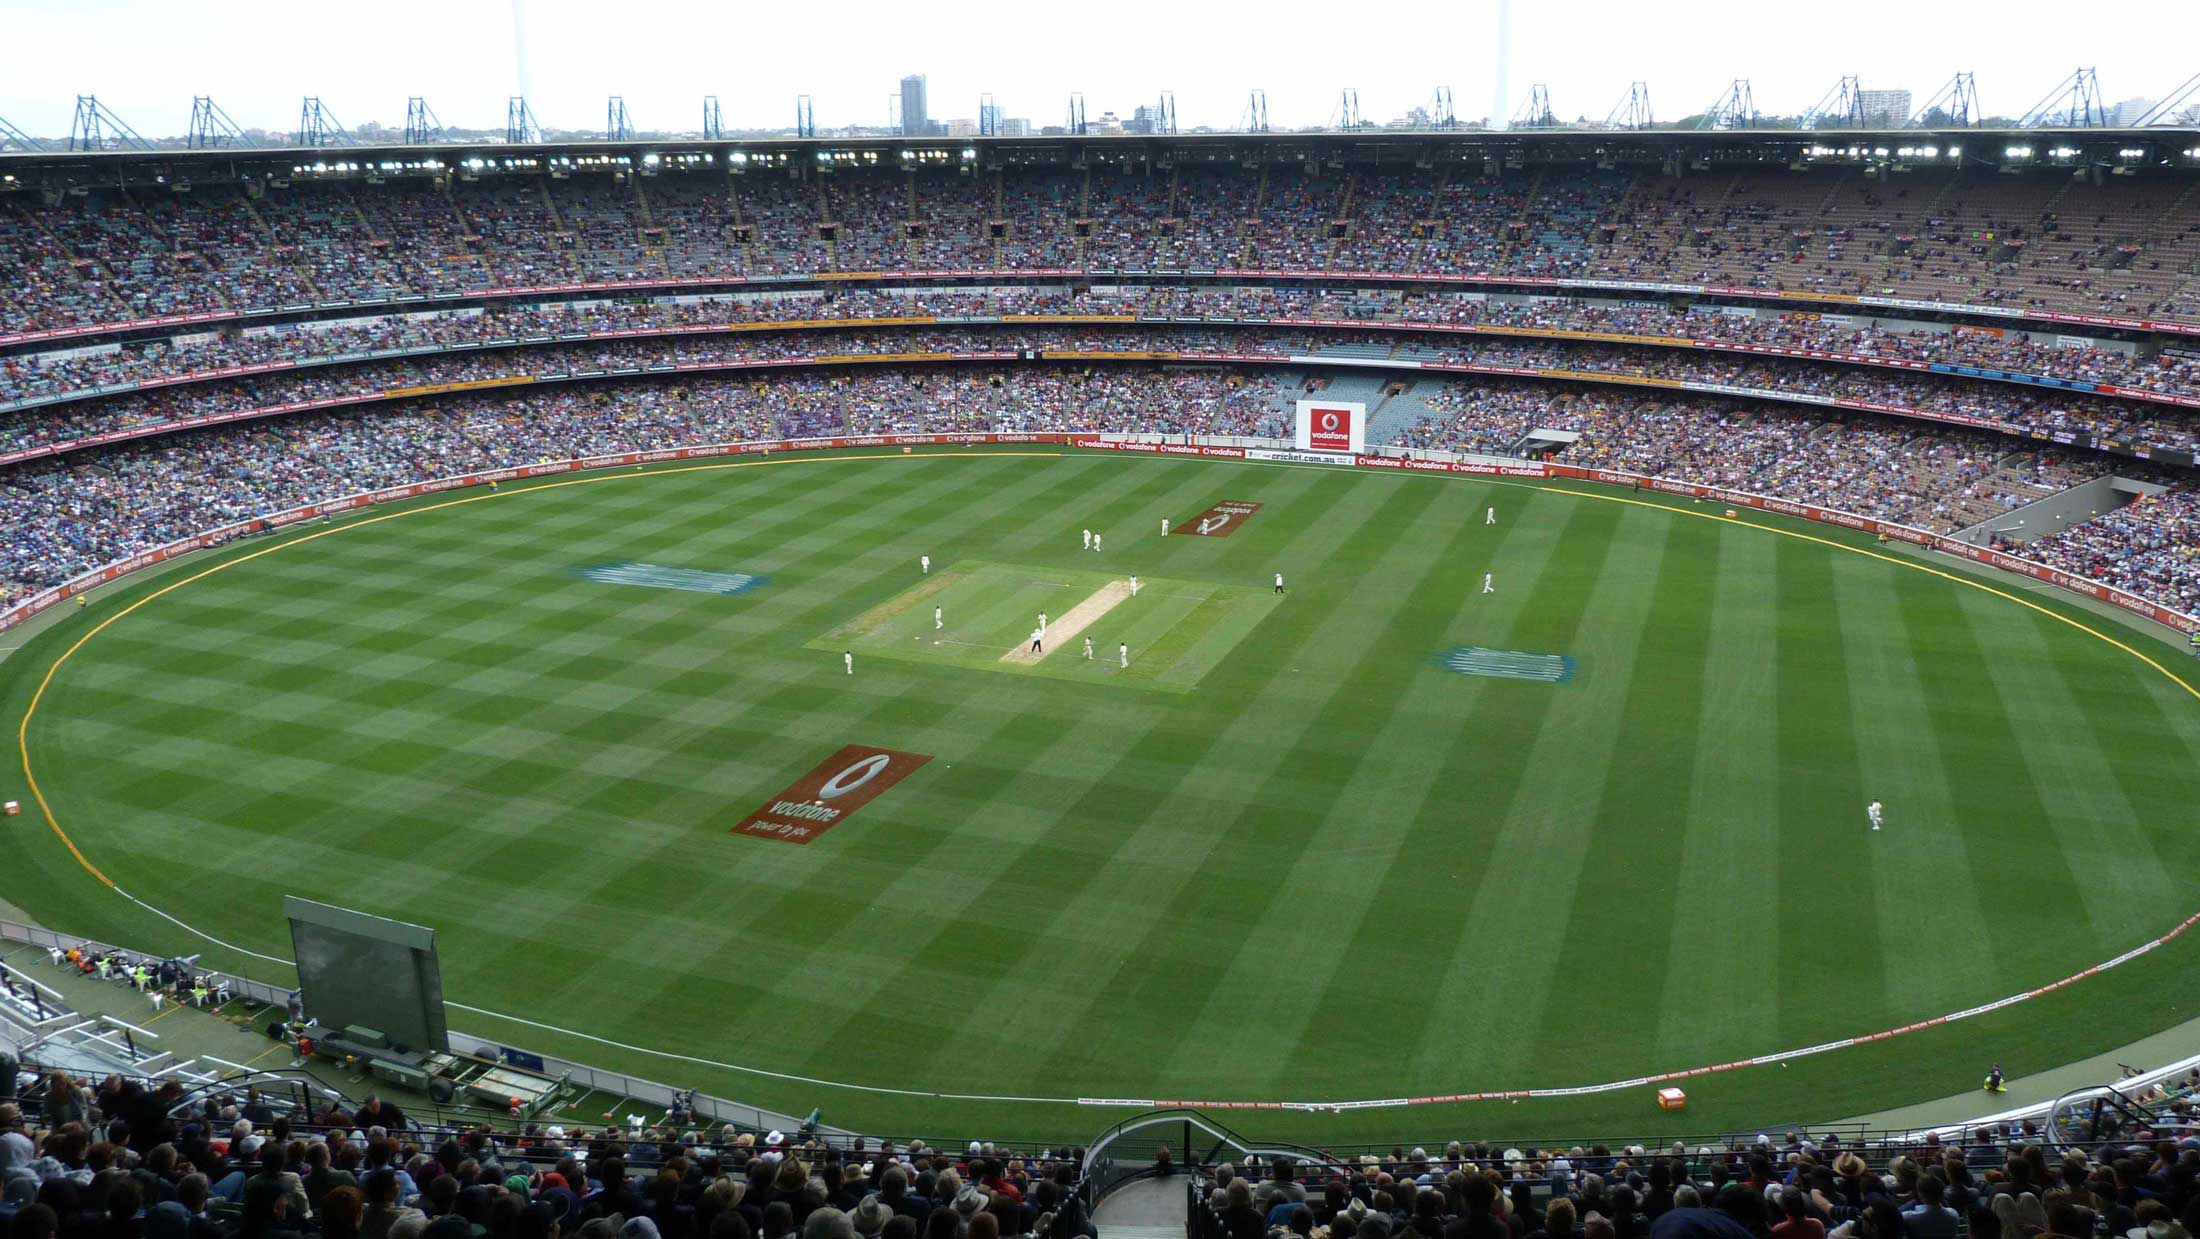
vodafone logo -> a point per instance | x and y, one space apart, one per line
835 788
1325 427
863 772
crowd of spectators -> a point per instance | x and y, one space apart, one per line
130 1159
2044 411
70 513
126 1159
76 372
1937 478
2150 547
2000 1182
2128 246
107 254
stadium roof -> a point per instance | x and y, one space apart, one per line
2122 149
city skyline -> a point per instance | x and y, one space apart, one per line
258 60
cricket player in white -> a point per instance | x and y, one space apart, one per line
937 621
1123 651
1164 526
1134 587
1042 623
1487 588
1872 811
1096 542
1490 517
848 660
1088 648
925 562
1088 539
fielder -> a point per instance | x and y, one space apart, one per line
1164 526
1487 588
1872 811
925 562
848 660
1134 587
1088 539
1037 635
1123 652
1096 542
937 622
1490 517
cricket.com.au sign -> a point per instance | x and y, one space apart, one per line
823 798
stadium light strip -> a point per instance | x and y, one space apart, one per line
1333 1106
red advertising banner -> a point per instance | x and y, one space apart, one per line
833 789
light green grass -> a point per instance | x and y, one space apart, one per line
1332 871
1177 630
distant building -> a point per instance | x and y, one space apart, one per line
916 120
1144 119
961 127
1015 127
1884 109
2129 111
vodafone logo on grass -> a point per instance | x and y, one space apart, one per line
835 788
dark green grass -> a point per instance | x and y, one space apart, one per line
1329 870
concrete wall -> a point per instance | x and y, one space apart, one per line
2058 511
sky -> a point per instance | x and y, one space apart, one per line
145 59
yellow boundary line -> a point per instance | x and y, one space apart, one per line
23 728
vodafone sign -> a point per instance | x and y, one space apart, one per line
1332 426
841 784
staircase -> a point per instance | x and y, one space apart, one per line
1145 1209
644 223
1434 218
568 255
1249 228
999 215
912 248
1400 413
1516 228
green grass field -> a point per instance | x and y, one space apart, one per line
1288 856
1180 629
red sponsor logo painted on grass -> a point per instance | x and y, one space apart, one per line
1221 520
823 798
